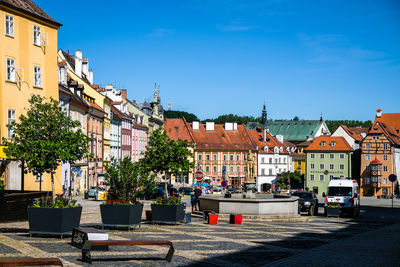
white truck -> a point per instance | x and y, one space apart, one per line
343 197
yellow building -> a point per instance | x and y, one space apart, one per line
107 131
28 65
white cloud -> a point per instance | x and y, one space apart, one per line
161 32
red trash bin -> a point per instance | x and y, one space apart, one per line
235 219
212 218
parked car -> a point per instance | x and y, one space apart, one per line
93 191
308 202
185 190
158 193
172 191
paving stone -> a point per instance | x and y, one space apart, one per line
7 250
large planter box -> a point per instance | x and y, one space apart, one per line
168 213
53 221
332 212
121 215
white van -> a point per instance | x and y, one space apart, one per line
343 193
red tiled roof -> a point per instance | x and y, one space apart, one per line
178 129
95 106
391 119
341 144
219 139
117 112
116 103
271 142
381 128
376 162
355 132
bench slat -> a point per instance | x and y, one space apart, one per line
19 261
129 242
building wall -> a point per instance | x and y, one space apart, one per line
115 139
15 95
341 132
270 166
139 143
385 156
321 185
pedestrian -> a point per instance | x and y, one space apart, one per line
192 199
197 194
203 191
279 190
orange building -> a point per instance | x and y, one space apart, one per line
380 155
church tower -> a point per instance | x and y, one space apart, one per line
264 117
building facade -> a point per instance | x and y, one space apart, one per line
326 157
380 155
28 65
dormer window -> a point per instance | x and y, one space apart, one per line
333 143
323 143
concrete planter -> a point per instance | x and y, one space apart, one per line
53 221
168 213
121 215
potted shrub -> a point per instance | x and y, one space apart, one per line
128 183
168 210
43 137
54 216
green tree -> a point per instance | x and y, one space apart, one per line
45 137
288 179
334 124
190 117
166 156
129 180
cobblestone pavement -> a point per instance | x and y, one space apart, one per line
318 242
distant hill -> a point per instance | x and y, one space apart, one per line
190 117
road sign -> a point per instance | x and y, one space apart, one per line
223 184
392 178
198 175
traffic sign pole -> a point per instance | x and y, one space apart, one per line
393 179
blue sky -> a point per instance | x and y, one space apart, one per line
303 58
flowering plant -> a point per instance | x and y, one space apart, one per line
118 202
169 201
59 202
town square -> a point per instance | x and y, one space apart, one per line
199 133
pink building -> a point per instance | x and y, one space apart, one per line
139 137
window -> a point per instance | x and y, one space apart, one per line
270 171
384 191
231 157
299 162
224 157
331 166
385 146
321 156
11 72
38 177
312 177
312 155
342 156
367 180
207 157
244 169
385 157
385 168
367 168
207 168
323 143
262 171
215 156
231 169
321 177
199 157
9 25
332 156
215 168
11 118
38 76
36 35
262 159
367 157
367 146
238 169
238 157
312 166
341 166
384 181
322 166
333 143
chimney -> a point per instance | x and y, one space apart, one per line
123 94
234 126
90 77
378 113
280 138
85 66
195 125
78 62
210 126
228 126
79 89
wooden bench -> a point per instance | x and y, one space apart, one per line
19 261
91 243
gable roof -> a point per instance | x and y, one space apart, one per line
291 130
271 142
355 132
390 132
219 139
178 129
341 144
29 7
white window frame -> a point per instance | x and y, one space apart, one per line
11 74
367 157
385 146
11 116
322 156
367 180
38 76
312 155
36 35
312 166
384 180
341 166
385 157
215 169
331 166
322 166
385 168
312 177
9 25
332 156
321 177
342 156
